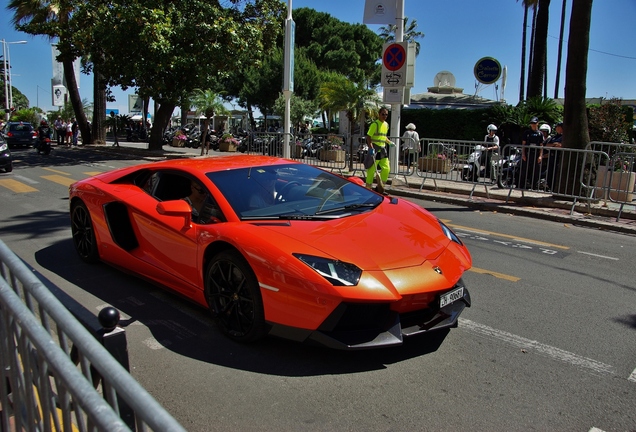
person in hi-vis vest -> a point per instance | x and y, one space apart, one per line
378 141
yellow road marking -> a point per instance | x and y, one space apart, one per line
521 239
93 173
56 171
496 274
17 186
65 181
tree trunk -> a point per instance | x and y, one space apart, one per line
99 107
76 101
575 126
560 53
524 37
531 59
539 51
576 134
164 114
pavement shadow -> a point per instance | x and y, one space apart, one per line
185 328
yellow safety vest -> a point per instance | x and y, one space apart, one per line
378 136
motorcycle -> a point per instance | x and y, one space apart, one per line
44 146
509 171
475 167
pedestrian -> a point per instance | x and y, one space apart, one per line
410 145
114 122
60 130
74 131
553 157
531 155
378 141
69 133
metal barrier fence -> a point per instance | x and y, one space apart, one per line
41 388
329 151
602 171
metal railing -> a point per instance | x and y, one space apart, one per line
41 388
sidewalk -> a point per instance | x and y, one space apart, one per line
600 214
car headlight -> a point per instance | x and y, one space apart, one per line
338 273
450 234
4 147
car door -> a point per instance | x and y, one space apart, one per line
168 243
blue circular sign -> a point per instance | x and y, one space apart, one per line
487 70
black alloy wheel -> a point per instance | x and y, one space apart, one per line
234 297
83 234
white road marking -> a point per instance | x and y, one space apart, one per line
632 377
595 429
598 256
550 351
154 344
25 179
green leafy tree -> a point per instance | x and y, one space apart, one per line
178 45
352 50
608 123
53 19
31 115
387 33
299 108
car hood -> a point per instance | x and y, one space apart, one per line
389 237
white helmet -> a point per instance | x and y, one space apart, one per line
491 127
545 127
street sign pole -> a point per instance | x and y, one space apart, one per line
288 77
396 108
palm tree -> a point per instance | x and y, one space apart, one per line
539 46
338 93
574 110
209 104
51 19
560 52
410 33
522 85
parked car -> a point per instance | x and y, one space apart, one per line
6 162
20 134
277 247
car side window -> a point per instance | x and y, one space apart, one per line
166 186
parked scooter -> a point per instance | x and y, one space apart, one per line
509 171
476 166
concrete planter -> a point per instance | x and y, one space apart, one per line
435 165
617 186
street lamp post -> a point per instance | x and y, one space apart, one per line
8 90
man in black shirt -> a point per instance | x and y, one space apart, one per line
531 156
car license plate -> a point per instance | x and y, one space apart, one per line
24 140
451 296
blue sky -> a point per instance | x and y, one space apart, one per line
457 34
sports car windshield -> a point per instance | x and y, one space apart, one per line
294 191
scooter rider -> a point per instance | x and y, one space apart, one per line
44 132
491 147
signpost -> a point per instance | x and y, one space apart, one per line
394 64
487 70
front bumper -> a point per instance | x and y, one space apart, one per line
357 326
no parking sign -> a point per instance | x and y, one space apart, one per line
394 60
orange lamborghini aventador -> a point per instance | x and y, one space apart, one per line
277 247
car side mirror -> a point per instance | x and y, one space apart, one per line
179 208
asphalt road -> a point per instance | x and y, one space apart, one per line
548 344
